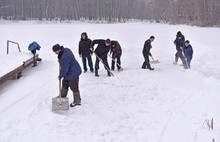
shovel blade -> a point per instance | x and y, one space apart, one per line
154 62
59 103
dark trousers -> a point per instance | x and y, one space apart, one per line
179 55
146 62
89 58
105 61
73 84
118 58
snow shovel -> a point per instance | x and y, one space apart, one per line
154 61
116 63
102 63
187 65
59 103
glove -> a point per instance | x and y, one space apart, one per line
91 49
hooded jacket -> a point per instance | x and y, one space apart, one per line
84 45
179 41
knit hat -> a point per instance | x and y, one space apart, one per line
56 47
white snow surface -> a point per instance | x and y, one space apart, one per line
169 104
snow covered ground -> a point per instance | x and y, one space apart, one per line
169 104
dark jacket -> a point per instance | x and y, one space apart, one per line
101 50
188 51
69 67
84 46
147 47
179 41
115 48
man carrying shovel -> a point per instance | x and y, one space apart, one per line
146 53
70 71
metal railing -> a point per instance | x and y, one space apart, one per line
8 43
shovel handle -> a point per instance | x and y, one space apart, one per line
152 58
59 87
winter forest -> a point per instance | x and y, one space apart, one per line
192 12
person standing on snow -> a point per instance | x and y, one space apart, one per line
70 71
146 53
116 52
85 52
188 54
101 52
179 42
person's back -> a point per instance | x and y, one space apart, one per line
101 49
70 68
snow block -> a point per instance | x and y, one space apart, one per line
59 103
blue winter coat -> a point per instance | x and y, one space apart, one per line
188 51
69 67
179 41
33 46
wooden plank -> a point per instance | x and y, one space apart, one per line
17 71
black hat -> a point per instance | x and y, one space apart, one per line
179 32
108 41
56 47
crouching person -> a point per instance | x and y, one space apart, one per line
70 71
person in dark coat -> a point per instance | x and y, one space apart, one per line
188 54
116 52
70 71
179 42
146 53
101 52
85 52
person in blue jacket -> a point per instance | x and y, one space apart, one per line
179 42
70 71
188 54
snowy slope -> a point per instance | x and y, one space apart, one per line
168 104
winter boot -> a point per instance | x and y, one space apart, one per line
96 73
76 99
64 92
150 68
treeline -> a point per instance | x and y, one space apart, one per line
196 12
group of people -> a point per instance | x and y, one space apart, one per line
86 50
184 50
70 69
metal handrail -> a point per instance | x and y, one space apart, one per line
9 41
